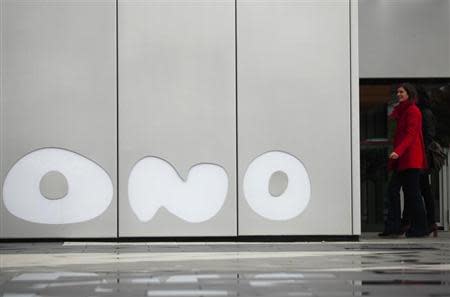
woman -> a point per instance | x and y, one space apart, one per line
408 157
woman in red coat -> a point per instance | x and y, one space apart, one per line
408 157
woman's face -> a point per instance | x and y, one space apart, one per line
402 95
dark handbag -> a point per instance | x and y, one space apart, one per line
437 156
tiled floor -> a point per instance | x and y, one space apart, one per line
370 267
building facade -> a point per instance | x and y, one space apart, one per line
188 118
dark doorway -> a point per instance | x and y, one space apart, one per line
377 98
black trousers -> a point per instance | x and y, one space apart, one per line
414 212
425 189
428 199
392 205
410 182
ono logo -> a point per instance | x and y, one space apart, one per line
57 186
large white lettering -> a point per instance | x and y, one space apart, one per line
89 194
154 183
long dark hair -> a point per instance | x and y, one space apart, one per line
423 100
410 90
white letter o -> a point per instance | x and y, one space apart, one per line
289 204
89 195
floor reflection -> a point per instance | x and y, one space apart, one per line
367 268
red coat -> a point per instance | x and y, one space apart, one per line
408 139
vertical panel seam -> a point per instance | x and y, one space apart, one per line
2 26
117 118
351 116
236 115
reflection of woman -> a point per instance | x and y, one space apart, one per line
408 158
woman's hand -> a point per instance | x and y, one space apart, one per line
393 156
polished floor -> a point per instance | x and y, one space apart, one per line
369 267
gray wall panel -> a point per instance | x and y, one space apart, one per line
294 97
59 90
400 38
177 104
356 183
